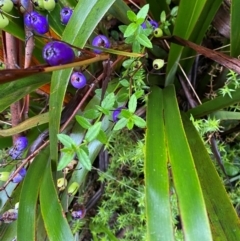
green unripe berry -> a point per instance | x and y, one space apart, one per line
49 5
38 4
158 32
4 21
4 176
158 63
73 188
6 5
61 183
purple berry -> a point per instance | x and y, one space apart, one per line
20 175
18 178
36 22
153 23
14 153
79 211
116 113
57 53
65 15
100 41
21 143
78 80
22 172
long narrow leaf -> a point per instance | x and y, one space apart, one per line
235 30
220 210
215 104
159 221
191 203
192 22
54 218
29 198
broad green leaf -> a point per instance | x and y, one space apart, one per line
54 218
83 122
132 104
108 101
234 29
66 158
26 229
76 33
143 12
120 124
223 217
102 137
143 40
131 16
193 213
130 30
66 140
130 124
138 121
83 157
158 211
93 132
91 114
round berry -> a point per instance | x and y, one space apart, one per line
22 172
158 63
6 5
18 178
158 32
73 188
115 114
78 212
21 143
61 183
153 23
14 153
4 21
36 22
100 41
49 5
57 53
38 4
78 80
65 15
4 176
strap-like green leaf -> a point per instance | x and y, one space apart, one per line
235 31
191 203
159 218
222 216
13 91
26 228
54 218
